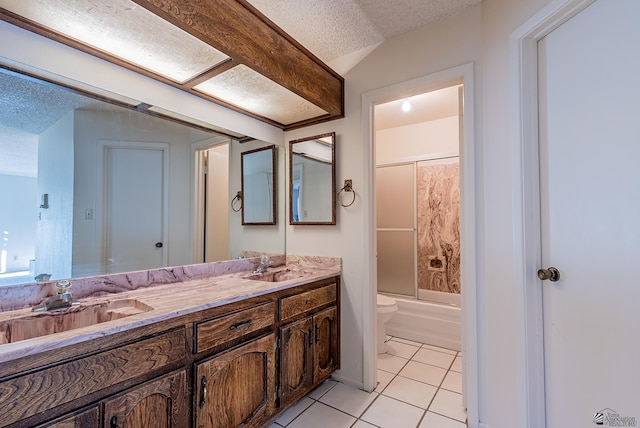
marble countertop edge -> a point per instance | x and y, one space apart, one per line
167 300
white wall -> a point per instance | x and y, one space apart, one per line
18 220
267 238
55 177
92 127
410 56
406 143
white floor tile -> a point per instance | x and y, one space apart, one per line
408 342
363 424
435 358
322 416
386 412
439 349
411 391
274 425
433 420
292 412
322 389
391 363
423 373
383 380
449 404
401 350
453 382
348 399
457 364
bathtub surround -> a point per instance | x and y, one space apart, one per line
438 219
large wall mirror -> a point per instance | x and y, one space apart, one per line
312 180
259 188
88 187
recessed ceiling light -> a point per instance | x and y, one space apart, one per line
406 106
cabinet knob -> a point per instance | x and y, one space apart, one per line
114 422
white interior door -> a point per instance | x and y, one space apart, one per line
590 213
134 209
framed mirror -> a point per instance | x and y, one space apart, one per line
259 186
312 180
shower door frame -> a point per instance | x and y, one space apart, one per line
436 296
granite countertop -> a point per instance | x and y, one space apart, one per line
171 300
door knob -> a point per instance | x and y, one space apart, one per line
158 244
552 274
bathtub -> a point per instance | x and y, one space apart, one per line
437 324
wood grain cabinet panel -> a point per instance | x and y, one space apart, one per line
296 359
161 403
39 391
325 349
308 354
217 331
237 387
300 303
89 418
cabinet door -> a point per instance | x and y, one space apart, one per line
325 343
88 418
237 388
161 403
296 359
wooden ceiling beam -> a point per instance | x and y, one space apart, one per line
240 31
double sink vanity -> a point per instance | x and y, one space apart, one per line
212 345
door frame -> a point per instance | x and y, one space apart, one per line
527 251
197 193
462 74
101 184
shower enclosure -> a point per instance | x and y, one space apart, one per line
418 229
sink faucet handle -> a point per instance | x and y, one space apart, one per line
63 286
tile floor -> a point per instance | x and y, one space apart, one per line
419 386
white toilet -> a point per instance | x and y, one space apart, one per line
386 309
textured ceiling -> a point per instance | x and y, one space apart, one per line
339 32
342 32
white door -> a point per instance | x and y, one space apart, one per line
590 215
134 209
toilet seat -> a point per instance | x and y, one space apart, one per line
384 301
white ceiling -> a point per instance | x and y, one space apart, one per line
342 32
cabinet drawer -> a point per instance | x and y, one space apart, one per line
303 302
39 391
212 333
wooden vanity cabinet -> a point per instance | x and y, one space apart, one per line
237 387
237 365
309 346
161 403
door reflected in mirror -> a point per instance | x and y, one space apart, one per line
259 186
312 196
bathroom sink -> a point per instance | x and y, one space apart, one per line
44 323
277 275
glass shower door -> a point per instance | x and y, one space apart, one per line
395 229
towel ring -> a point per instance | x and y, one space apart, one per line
238 198
348 187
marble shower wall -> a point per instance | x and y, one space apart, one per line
438 198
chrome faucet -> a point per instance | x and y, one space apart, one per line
264 264
61 300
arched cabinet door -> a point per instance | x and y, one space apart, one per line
325 337
237 388
157 404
